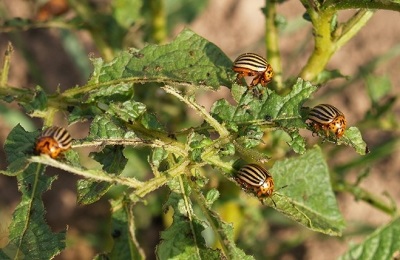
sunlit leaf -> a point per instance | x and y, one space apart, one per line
270 109
308 197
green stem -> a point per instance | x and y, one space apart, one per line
353 26
96 175
272 43
328 42
223 132
6 66
189 211
168 144
214 221
90 87
159 181
382 151
158 22
160 139
323 49
361 4
370 198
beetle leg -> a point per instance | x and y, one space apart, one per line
257 79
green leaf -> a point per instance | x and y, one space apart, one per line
223 231
30 236
123 229
189 59
271 110
308 197
198 143
111 158
39 101
80 113
211 197
384 243
113 162
106 127
112 93
151 122
352 137
183 239
158 155
91 191
19 146
297 143
128 111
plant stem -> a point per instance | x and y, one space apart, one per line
361 4
351 27
272 43
223 132
95 175
159 181
327 42
214 221
158 22
362 194
323 49
382 151
173 147
6 66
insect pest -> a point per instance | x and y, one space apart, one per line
251 64
255 178
53 141
327 119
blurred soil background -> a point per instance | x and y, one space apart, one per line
236 27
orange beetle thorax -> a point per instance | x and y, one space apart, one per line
47 145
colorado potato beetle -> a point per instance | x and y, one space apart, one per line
251 64
256 178
53 141
328 119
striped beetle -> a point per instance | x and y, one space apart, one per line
256 178
251 64
53 141
328 119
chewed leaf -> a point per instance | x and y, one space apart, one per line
189 59
30 236
125 244
308 197
113 161
271 109
106 127
18 146
183 239
352 137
